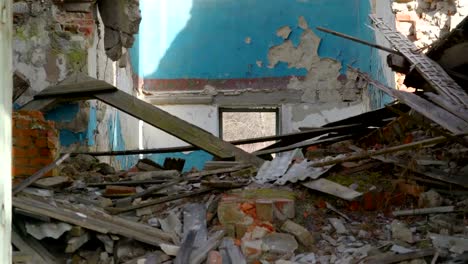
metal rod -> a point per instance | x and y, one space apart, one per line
311 133
338 34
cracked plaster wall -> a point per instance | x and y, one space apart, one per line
269 56
47 49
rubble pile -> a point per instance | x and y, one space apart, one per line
331 203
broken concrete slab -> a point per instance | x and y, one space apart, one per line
53 182
43 230
301 234
455 244
338 225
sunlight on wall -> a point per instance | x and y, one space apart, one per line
156 38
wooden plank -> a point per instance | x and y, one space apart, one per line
76 89
89 219
6 93
38 105
433 112
176 126
36 176
457 110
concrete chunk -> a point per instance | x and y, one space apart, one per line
298 231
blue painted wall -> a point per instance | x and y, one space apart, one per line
205 39
66 113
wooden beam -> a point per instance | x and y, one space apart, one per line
75 89
6 93
96 221
437 114
176 126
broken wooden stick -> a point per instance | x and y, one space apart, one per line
36 176
393 258
432 210
169 198
368 154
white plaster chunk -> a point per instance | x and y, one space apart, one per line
259 63
283 32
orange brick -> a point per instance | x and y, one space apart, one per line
23 171
41 143
33 114
19 162
22 123
22 141
41 162
25 152
45 152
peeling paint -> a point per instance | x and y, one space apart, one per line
322 83
283 32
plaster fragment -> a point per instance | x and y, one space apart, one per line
259 63
303 23
283 32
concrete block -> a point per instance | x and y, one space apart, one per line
264 209
229 213
298 231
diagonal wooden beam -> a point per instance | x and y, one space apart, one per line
85 87
175 126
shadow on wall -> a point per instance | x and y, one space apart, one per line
228 39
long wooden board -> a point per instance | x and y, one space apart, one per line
90 219
437 114
175 126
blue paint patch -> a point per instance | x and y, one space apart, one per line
68 138
193 159
67 113
204 39
117 142
63 113
92 125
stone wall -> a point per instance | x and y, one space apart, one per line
54 40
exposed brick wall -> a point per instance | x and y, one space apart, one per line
76 22
35 143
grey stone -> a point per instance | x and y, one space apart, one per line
279 243
430 199
20 8
338 225
107 241
83 162
401 232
